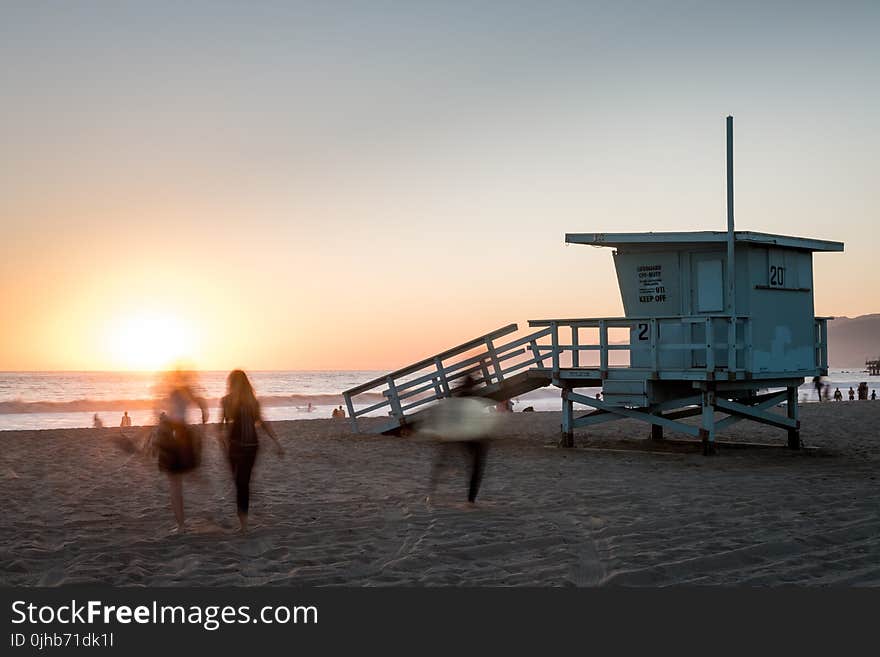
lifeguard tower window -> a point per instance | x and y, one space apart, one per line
710 286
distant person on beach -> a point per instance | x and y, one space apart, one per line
873 395
241 412
179 445
838 396
151 443
863 391
852 394
338 412
461 424
817 383
126 420
96 422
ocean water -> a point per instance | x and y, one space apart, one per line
55 400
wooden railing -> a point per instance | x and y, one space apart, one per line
736 345
435 377
490 363
821 325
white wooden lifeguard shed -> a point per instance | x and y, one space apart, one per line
691 331
715 322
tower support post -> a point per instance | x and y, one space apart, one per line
567 437
794 435
707 426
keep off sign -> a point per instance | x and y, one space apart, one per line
651 288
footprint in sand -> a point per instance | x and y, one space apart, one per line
433 504
206 527
254 547
53 577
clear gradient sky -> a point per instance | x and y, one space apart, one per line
340 185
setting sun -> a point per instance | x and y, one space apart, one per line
148 341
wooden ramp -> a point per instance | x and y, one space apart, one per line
516 385
500 370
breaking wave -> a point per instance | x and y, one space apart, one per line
96 405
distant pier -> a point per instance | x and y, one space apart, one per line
873 367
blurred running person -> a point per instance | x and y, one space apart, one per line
460 423
179 445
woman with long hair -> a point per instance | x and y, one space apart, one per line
241 412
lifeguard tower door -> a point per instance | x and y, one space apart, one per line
707 296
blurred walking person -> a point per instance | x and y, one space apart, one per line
179 445
461 423
817 383
241 413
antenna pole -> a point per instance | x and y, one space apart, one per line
731 235
731 257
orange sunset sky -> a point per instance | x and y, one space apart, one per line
356 185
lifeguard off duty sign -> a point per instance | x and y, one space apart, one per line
651 288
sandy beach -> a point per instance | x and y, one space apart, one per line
351 510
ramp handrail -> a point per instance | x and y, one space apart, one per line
465 346
434 377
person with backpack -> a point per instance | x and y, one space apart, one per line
178 445
241 413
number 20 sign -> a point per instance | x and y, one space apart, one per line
777 275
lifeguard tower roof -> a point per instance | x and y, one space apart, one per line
701 237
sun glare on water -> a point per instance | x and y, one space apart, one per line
149 341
